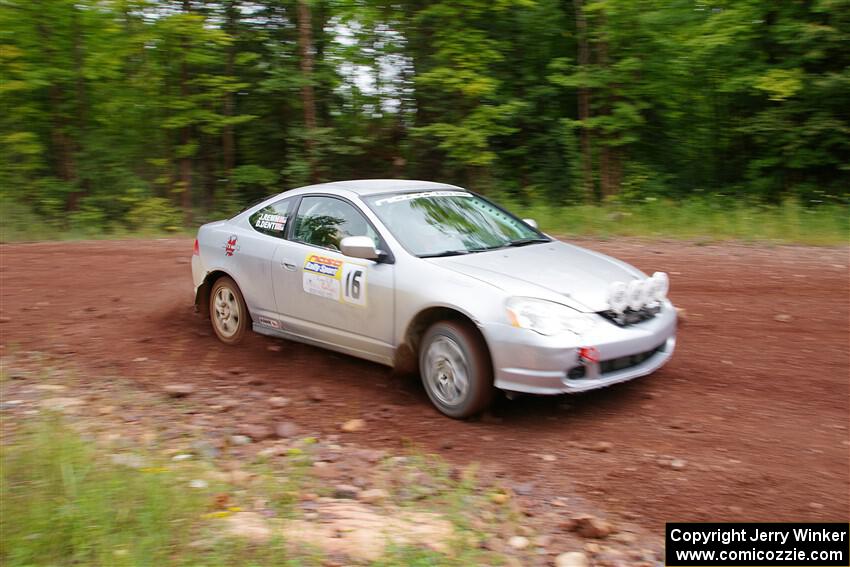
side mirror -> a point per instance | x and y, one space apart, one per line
531 222
359 247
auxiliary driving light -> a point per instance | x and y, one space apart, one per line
660 285
618 298
636 291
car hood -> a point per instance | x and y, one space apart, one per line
555 271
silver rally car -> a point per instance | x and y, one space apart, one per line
413 273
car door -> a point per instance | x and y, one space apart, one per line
326 296
252 250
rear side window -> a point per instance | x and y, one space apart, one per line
272 219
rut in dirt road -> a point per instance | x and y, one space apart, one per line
747 422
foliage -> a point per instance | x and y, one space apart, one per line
706 219
65 504
117 113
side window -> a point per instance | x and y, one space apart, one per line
272 219
325 221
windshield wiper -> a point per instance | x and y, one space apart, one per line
526 241
445 253
459 252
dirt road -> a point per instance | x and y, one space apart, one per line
753 407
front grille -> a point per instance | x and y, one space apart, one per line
577 373
630 317
614 364
625 362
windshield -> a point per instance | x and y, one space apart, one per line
447 223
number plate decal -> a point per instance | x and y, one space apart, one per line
334 279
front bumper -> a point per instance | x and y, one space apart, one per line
525 361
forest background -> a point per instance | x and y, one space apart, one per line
683 118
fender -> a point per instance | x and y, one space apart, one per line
202 294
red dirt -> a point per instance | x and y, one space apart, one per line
757 407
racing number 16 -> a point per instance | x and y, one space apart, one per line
352 284
354 281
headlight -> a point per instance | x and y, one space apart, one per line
546 317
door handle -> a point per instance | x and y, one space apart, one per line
288 265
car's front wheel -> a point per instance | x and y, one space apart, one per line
228 313
455 368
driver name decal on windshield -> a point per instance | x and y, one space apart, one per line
271 222
425 194
323 277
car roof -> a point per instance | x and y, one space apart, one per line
364 187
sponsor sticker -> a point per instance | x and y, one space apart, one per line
422 195
321 276
268 322
322 265
334 279
588 354
323 286
231 245
271 222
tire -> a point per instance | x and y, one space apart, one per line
455 368
228 312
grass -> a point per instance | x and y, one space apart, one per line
18 223
693 219
17 234
788 223
65 502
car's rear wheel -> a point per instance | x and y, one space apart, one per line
228 313
455 368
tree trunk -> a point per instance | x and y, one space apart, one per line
308 100
185 133
228 137
587 184
609 162
321 15
605 165
61 143
207 170
82 105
